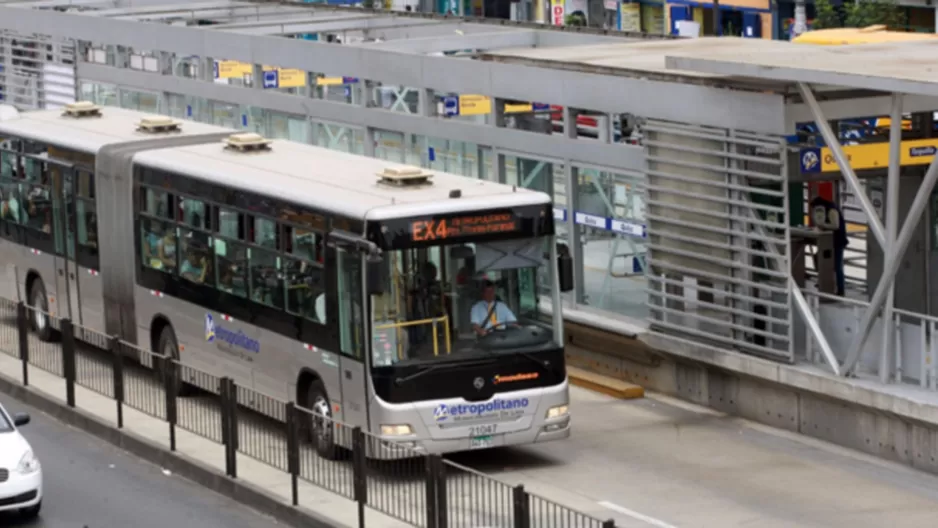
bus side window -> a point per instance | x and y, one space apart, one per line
266 279
157 203
8 165
232 265
194 213
86 215
195 259
158 244
306 290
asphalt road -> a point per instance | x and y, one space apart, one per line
91 484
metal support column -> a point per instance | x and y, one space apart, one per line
892 265
497 119
875 225
574 240
425 100
892 226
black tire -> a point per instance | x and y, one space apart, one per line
39 321
32 512
321 431
170 376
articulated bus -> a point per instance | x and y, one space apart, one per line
381 295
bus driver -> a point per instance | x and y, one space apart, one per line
490 314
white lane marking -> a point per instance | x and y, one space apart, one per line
635 515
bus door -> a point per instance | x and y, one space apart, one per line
80 240
45 218
350 300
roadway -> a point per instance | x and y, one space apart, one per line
664 463
92 484
659 462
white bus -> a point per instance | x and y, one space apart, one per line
384 296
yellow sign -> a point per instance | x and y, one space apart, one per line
474 105
290 78
233 70
876 155
287 78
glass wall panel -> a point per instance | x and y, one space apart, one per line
225 115
286 126
178 106
339 137
611 220
389 146
99 93
142 101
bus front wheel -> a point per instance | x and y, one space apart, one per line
322 427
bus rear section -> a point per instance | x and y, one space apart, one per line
461 357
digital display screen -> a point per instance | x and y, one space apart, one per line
463 226
525 221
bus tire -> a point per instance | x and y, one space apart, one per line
322 430
39 314
171 375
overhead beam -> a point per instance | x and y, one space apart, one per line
753 111
165 8
856 107
833 143
794 74
501 39
326 25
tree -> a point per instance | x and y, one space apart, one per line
859 13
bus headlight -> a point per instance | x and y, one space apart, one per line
558 411
396 430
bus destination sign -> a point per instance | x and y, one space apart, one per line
463 226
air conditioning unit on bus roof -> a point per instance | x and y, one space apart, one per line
404 177
82 109
247 141
158 124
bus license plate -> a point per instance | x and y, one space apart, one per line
480 442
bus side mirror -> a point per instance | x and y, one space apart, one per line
565 272
374 275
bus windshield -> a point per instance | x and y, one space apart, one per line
460 299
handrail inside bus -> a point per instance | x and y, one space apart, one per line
431 321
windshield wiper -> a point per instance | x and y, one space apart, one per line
431 368
543 363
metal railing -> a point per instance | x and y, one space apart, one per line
910 358
421 490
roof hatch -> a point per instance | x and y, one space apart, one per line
405 177
156 124
82 109
247 142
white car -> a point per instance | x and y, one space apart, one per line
20 471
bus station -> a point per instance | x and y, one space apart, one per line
693 180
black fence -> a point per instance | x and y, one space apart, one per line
418 489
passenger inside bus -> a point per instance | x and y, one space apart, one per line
490 313
196 265
159 245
